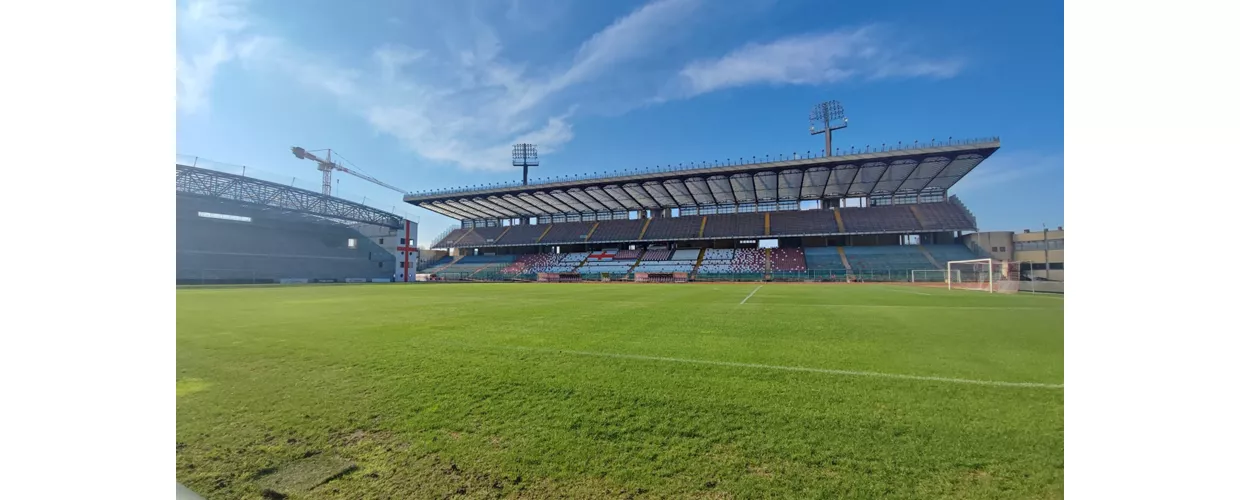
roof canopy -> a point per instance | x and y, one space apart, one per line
208 183
909 171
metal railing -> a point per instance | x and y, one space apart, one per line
739 161
311 182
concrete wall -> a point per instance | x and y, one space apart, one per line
991 244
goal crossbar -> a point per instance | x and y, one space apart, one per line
985 275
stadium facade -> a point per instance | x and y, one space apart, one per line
237 229
872 215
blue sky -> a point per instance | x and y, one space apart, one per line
431 94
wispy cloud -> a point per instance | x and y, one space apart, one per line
468 106
209 34
460 95
1007 168
863 53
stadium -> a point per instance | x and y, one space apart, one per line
816 326
884 216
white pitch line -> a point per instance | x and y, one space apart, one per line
925 378
751 294
908 291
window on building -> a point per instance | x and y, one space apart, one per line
1002 249
352 243
994 249
380 241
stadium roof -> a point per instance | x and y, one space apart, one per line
911 170
206 183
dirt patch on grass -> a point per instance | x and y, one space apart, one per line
302 475
758 470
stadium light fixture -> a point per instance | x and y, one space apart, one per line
525 156
825 118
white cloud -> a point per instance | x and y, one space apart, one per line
458 95
808 60
467 105
209 34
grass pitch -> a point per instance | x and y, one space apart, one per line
619 391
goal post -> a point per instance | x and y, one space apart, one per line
932 275
983 275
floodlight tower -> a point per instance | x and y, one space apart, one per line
525 156
825 118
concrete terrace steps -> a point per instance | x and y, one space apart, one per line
929 256
544 235
844 259
501 234
701 255
921 221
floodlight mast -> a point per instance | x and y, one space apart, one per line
525 156
825 118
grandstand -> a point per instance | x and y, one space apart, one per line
877 215
237 229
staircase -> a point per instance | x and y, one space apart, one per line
639 257
501 235
839 221
702 230
920 221
701 255
766 269
583 261
591 233
467 233
545 231
644 228
843 256
929 257
767 231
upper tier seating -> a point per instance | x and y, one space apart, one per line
450 238
568 232
673 228
618 230
803 222
938 216
522 235
734 225
944 216
879 219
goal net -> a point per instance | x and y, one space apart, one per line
932 276
984 275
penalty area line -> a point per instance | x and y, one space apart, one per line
751 294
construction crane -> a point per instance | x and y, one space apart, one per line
327 165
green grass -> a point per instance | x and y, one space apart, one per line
525 390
